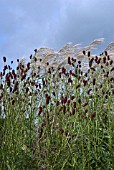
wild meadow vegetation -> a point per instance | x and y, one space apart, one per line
57 111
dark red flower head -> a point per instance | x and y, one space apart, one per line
31 56
40 110
4 59
79 101
35 50
106 53
69 80
85 104
88 53
111 62
69 61
84 53
94 80
93 115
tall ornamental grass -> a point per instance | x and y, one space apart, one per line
58 115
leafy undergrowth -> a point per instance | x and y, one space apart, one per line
60 120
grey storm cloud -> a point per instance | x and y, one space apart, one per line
87 20
29 24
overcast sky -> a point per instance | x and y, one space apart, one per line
29 24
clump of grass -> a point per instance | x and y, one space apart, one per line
55 114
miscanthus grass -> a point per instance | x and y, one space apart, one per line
57 111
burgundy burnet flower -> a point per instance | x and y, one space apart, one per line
102 66
101 86
90 63
31 56
77 86
74 105
85 75
49 71
85 112
47 100
35 59
62 131
69 61
69 80
16 86
40 110
28 65
27 89
64 109
13 102
70 72
43 82
89 91
111 62
65 99
4 59
104 60
84 52
66 133
103 92
79 101
98 61
13 71
68 102
112 69
94 80
5 67
35 50
10 89
39 85
107 73
73 111
72 97
108 57
79 62
96 89
85 82
85 104
113 91
73 59
63 70
74 75
92 68
23 77
60 74
106 53
73 64
7 78
88 53
43 124
57 103
62 100
92 115
81 73
0 74
1 86
96 57
53 93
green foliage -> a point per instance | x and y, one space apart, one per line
62 119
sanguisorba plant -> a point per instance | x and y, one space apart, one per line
59 116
